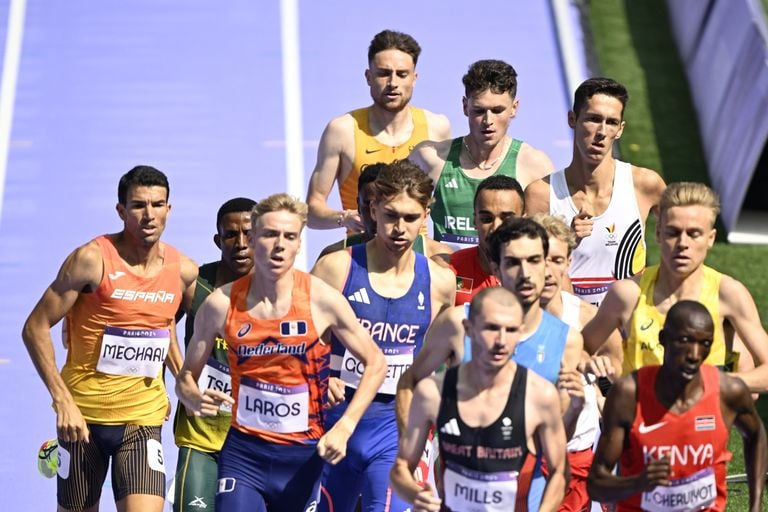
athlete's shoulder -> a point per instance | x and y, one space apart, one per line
438 125
532 164
441 273
341 127
733 294
648 183
430 155
734 392
332 268
539 388
189 269
537 196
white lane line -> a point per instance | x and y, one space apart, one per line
13 40
4 360
294 138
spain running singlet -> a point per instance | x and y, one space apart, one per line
279 368
470 276
369 151
616 248
696 442
485 468
419 245
642 347
542 351
205 433
452 211
118 337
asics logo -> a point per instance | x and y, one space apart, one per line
646 326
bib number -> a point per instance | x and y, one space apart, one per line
133 352
473 491
215 375
272 407
695 492
399 359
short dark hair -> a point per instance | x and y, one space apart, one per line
392 40
490 75
599 85
513 228
686 311
369 175
235 205
500 182
404 176
501 295
141 176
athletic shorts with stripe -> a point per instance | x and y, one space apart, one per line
196 476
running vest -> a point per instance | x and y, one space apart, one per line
205 433
118 337
616 248
279 368
470 276
696 442
397 325
419 245
642 347
369 151
542 351
452 211
484 468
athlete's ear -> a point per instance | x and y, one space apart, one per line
464 105
621 130
217 240
120 211
515 106
712 235
368 76
662 337
572 119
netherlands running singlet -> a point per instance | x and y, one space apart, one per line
642 347
616 248
470 276
369 151
279 368
452 212
484 468
696 442
118 337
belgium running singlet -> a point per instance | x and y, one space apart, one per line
453 211
118 338
369 151
279 368
642 347
485 468
696 442
616 248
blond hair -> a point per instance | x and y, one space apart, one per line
555 226
280 202
689 193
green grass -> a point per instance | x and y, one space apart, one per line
633 44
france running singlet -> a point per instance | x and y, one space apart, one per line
369 151
205 433
470 276
696 442
485 468
118 337
453 211
642 347
279 368
616 248
542 351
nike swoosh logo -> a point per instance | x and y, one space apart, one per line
643 429
369 151
646 326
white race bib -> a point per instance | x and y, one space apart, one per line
694 492
215 375
472 491
398 359
133 352
272 407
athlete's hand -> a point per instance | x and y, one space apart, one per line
582 224
600 366
70 424
570 382
351 220
332 447
336 395
210 401
657 472
426 501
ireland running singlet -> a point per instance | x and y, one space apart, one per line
470 276
118 338
369 151
616 248
279 368
453 211
642 347
696 442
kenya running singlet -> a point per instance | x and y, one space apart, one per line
279 368
118 338
616 248
369 151
642 347
695 441
470 276
453 211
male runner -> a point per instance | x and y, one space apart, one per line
492 416
395 294
200 438
272 322
458 166
386 131
667 427
497 198
637 306
604 200
120 293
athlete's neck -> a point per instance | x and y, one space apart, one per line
532 315
594 176
225 275
484 157
394 125
382 260
137 253
554 306
677 393
671 286
269 292
481 379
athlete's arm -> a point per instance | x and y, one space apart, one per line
649 186
443 288
334 156
438 252
542 405
532 164
81 271
438 126
209 323
189 272
739 410
601 333
537 198
421 417
332 268
427 156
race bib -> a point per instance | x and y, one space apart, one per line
272 407
133 352
398 359
473 491
215 375
694 492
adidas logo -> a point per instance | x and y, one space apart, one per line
361 296
452 183
451 428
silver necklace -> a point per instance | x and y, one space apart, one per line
487 166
